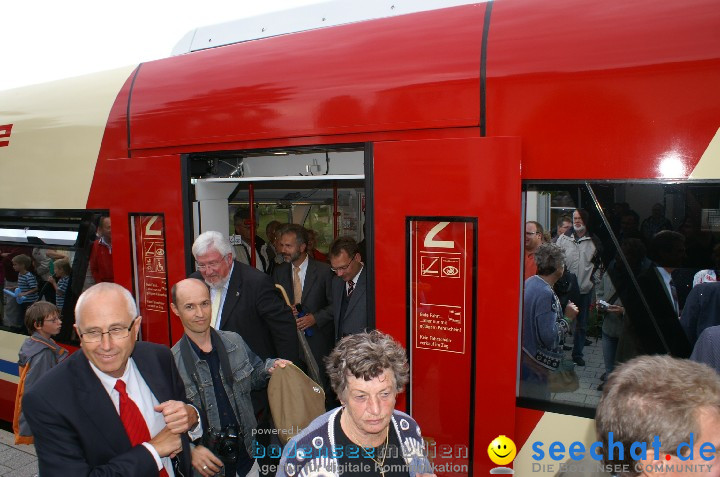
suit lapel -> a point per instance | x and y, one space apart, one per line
358 293
338 288
97 405
232 298
310 279
149 367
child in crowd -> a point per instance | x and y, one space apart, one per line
27 283
37 355
62 272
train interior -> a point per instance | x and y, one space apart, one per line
322 189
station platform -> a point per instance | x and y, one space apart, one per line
16 460
589 376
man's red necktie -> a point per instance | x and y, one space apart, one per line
133 420
351 287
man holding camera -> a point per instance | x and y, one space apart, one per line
219 371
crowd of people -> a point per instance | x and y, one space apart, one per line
202 408
41 273
648 296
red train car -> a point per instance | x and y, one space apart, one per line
433 136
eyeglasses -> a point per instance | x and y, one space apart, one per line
343 268
211 265
116 333
530 234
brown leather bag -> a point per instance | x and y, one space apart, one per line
295 400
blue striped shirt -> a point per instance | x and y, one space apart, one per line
62 286
27 282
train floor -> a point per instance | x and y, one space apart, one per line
16 460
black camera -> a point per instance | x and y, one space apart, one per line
224 443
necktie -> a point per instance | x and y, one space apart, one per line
673 292
351 287
215 307
133 420
297 285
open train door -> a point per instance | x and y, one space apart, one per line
446 214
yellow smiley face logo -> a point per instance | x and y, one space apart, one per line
502 450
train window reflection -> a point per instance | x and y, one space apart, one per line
47 257
632 255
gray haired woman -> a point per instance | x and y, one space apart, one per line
366 435
544 322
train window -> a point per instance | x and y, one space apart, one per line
633 254
45 256
310 205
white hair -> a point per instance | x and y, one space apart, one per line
106 287
212 239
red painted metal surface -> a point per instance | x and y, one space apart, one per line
408 72
601 90
478 177
8 391
143 186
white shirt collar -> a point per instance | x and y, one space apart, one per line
303 266
108 381
356 277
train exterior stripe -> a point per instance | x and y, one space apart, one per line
9 367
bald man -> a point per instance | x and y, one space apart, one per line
205 355
80 412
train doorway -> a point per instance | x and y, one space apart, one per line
241 193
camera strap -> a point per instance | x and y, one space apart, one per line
189 356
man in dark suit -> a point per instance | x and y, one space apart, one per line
663 307
702 310
348 287
245 300
308 283
96 412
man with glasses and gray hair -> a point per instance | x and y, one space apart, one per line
244 300
118 406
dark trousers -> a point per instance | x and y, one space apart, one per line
581 324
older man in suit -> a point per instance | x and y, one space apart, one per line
244 300
348 287
116 408
308 283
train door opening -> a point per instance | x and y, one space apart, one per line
242 192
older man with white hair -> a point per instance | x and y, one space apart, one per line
244 300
